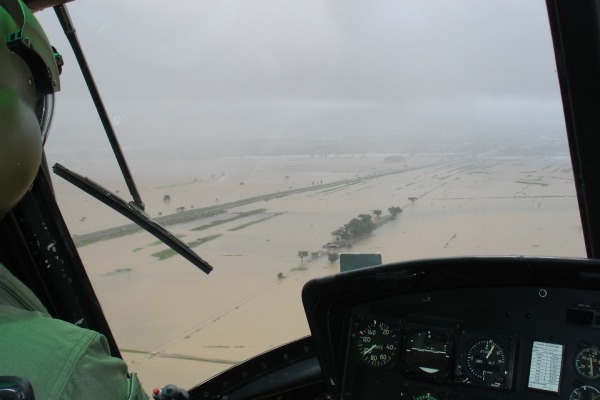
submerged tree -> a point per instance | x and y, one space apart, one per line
333 257
394 211
302 254
377 213
341 233
361 226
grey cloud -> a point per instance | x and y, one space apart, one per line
311 68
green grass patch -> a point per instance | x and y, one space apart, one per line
237 228
234 218
202 240
157 242
164 254
107 234
168 253
300 268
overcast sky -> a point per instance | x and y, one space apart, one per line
196 71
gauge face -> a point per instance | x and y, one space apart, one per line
377 344
587 363
584 393
425 396
486 361
428 351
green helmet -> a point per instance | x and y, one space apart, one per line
28 80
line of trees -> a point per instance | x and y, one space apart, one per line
332 257
357 228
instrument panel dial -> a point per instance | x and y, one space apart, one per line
587 363
584 393
377 343
486 361
428 395
429 351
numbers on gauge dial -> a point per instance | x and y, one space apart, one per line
587 363
377 343
425 396
584 393
486 360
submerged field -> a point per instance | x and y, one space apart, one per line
177 325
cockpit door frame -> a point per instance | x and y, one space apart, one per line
575 27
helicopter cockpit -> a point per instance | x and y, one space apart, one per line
315 115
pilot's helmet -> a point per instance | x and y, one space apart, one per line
28 80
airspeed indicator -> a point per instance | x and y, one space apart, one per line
377 344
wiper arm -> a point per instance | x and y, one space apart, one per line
133 212
69 29
134 209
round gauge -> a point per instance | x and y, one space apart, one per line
486 360
425 396
584 393
377 344
587 363
428 351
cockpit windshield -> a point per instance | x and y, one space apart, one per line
273 137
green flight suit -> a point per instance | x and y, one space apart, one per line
61 360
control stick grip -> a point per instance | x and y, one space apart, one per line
169 392
15 388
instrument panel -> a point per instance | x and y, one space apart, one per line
442 330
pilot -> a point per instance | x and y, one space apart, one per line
61 360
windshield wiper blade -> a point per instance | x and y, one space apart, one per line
69 29
133 212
